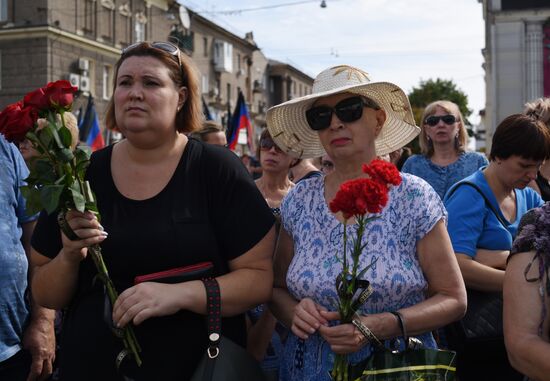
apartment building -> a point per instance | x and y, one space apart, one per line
516 55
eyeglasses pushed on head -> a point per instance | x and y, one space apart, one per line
167 47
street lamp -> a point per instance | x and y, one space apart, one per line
323 4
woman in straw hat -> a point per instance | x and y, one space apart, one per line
353 120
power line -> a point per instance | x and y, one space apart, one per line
238 11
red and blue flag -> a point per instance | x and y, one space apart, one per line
239 120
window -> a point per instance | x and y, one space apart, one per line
89 16
238 62
229 93
139 31
3 10
205 46
223 56
107 79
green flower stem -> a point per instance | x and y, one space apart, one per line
129 337
340 370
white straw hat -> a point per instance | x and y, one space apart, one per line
288 126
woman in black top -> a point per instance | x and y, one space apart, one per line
167 202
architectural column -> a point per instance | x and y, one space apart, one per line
534 60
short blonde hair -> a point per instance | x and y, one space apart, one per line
539 109
426 147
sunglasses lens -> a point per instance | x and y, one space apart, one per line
349 110
448 119
434 120
319 118
266 144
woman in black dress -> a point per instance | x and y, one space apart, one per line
166 202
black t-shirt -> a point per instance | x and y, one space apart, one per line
209 210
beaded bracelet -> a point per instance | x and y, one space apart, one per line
366 332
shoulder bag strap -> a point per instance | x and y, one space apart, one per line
487 202
214 325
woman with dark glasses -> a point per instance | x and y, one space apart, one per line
443 138
355 120
264 333
167 202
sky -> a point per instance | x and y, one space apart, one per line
400 41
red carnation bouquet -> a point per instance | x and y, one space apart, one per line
356 198
57 176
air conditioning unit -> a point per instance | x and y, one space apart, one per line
240 72
83 64
85 84
74 79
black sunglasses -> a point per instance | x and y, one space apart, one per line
167 47
348 110
266 144
433 120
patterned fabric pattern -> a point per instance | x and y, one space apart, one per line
397 279
441 178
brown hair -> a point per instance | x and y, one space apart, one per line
539 109
190 117
208 127
523 136
426 147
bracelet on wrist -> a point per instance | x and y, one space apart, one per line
366 332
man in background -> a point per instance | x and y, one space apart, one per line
211 133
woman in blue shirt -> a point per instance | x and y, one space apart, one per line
443 138
483 221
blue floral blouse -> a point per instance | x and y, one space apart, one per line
442 177
397 279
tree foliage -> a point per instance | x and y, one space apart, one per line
434 90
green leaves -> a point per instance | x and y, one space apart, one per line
49 197
66 137
77 197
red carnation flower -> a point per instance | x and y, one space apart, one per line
359 196
383 171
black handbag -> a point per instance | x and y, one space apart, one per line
411 364
483 319
224 360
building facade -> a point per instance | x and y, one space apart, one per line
78 40
516 57
81 41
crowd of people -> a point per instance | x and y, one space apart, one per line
171 195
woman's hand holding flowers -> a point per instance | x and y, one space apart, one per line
88 232
307 318
342 338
